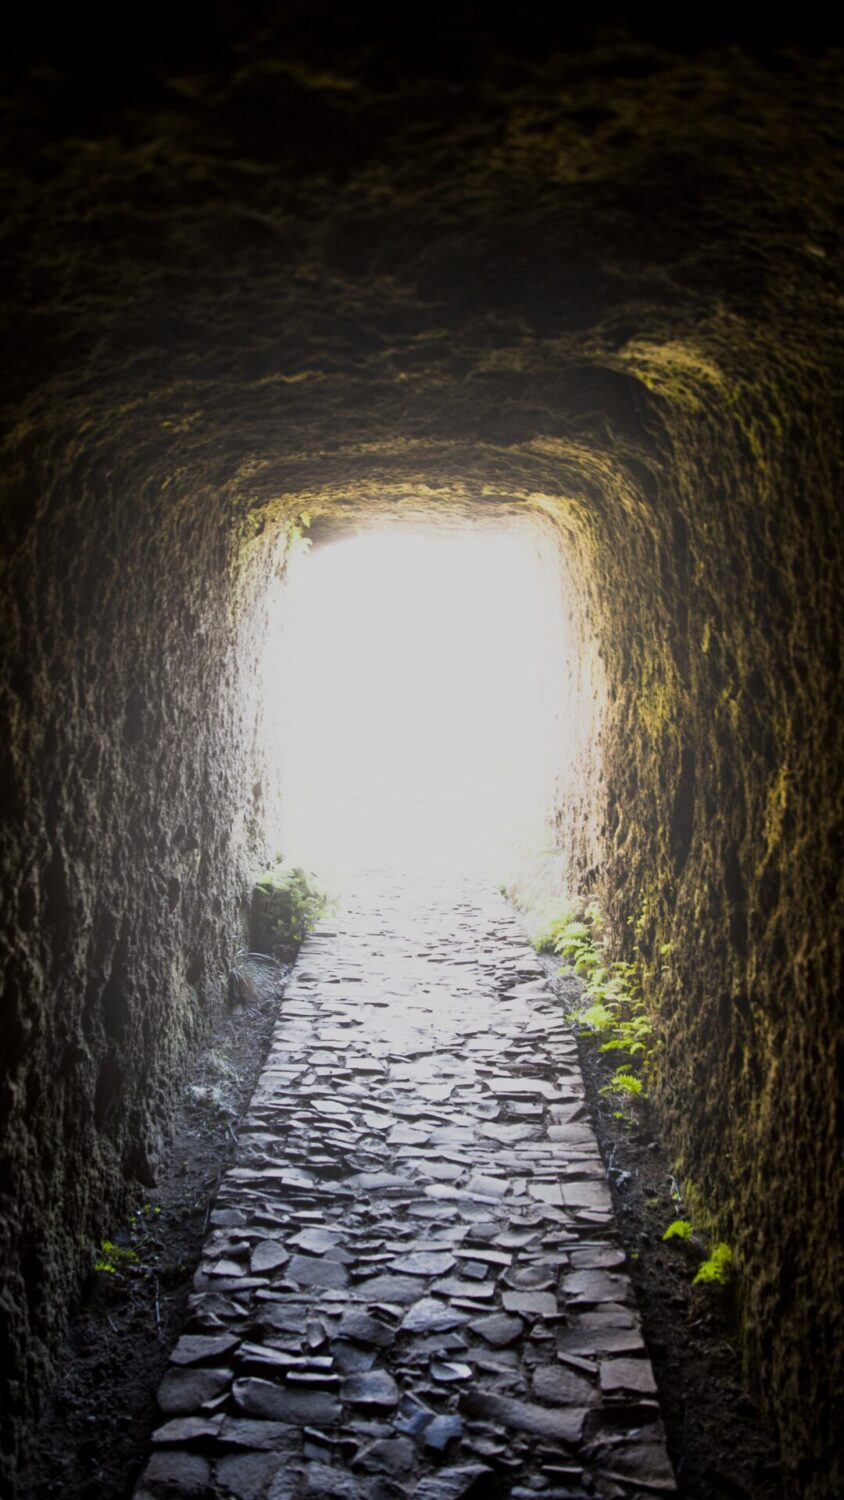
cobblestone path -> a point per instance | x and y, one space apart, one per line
413 1285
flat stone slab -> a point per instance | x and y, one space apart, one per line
465 1483
186 1390
634 1375
531 1304
281 1403
498 1329
424 1263
200 1348
316 1271
366 1330
371 1388
390 1287
562 1386
268 1256
562 1425
412 1287
431 1316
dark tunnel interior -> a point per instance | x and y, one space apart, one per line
276 261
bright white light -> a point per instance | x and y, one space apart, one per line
415 701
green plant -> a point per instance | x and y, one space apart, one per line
135 1250
286 903
718 1269
114 1259
679 1229
614 1010
623 1082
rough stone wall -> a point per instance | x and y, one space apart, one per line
272 267
724 804
128 777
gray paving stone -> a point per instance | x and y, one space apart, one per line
595 1286
371 1388
531 1304
424 1263
197 1348
498 1329
470 1482
563 1386
246 1476
324 1482
442 1435
187 1474
462 1286
595 1341
448 1371
394 1455
310 1270
269 1255
563 1424
431 1316
183 1391
279 1403
277 1318
364 1329
643 1464
536 1278
251 1433
416 1182
188 1431
628 1375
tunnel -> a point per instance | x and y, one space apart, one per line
286 271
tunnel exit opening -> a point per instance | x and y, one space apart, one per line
412 686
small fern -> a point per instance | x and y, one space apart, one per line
623 1083
613 1006
599 1017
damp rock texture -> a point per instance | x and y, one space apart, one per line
131 719
414 1285
275 262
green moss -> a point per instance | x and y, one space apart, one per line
718 1269
679 1229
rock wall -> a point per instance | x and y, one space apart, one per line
265 266
724 814
128 771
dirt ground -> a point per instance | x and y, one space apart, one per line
94 1434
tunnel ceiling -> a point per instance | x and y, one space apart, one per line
296 253
265 260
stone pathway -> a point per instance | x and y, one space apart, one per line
413 1285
